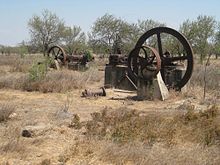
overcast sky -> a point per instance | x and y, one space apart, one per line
14 14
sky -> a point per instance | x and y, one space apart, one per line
14 14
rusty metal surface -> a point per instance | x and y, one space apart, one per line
167 62
118 59
79 59
146 67
57 53
94 92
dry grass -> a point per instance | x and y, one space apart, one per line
212 76
124 125
139 154
20 73
54 81
63 81
107 152
124 136
14 142
195 87
5 111
17 63
14 81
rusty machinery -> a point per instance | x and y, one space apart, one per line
76 62
116 73
149 57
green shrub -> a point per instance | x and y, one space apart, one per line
89 55
39 70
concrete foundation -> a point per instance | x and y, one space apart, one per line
115 77
173 77
154 89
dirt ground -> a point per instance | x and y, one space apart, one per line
45 110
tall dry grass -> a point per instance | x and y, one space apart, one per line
212 76
17 63
125 136
14 142
198 87
5 111
23 73
54 81
106 152
65 80
124 125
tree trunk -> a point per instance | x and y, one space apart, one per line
201 59
205 80
45 49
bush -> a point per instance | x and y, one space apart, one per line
89 55
39 70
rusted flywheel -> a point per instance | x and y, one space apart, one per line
167 61
57 53
144 62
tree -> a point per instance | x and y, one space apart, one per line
216 45
46 30
103 32
22 49
145 25
74 39
199 33
106 31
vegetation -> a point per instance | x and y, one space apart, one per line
126 136
74 40
38 70
199 33
31 73
124 125
46 30
216 44
5 111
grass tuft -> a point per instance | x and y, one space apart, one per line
6 110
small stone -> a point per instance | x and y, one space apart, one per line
26 133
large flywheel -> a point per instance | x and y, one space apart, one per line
174 51
57 53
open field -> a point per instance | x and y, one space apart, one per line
68 129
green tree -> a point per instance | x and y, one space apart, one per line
74 39
199 33
2 49
145 25
216 45
103 32
46 30
22 49
106 30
